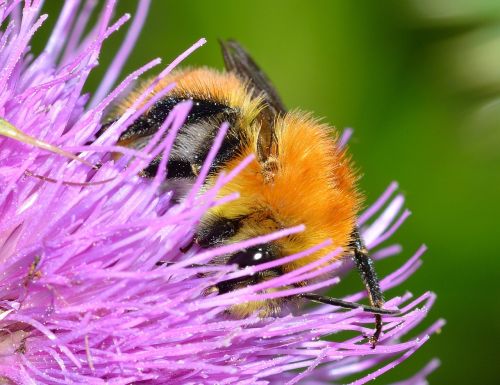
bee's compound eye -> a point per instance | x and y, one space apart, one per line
253 256
258 255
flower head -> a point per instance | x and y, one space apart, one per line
82 298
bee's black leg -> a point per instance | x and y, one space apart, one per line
365 266
344 304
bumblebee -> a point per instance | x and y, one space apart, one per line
299 175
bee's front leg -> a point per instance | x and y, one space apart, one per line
366 268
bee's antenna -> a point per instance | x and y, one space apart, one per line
345 304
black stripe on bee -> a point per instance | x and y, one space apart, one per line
176 169
194 139
193 143
216 230
150 122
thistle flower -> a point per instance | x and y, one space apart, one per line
82 300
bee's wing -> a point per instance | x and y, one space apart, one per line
237 60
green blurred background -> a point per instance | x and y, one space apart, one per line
419 81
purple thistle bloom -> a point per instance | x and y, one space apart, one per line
82 300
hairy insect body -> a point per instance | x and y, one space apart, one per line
299 175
